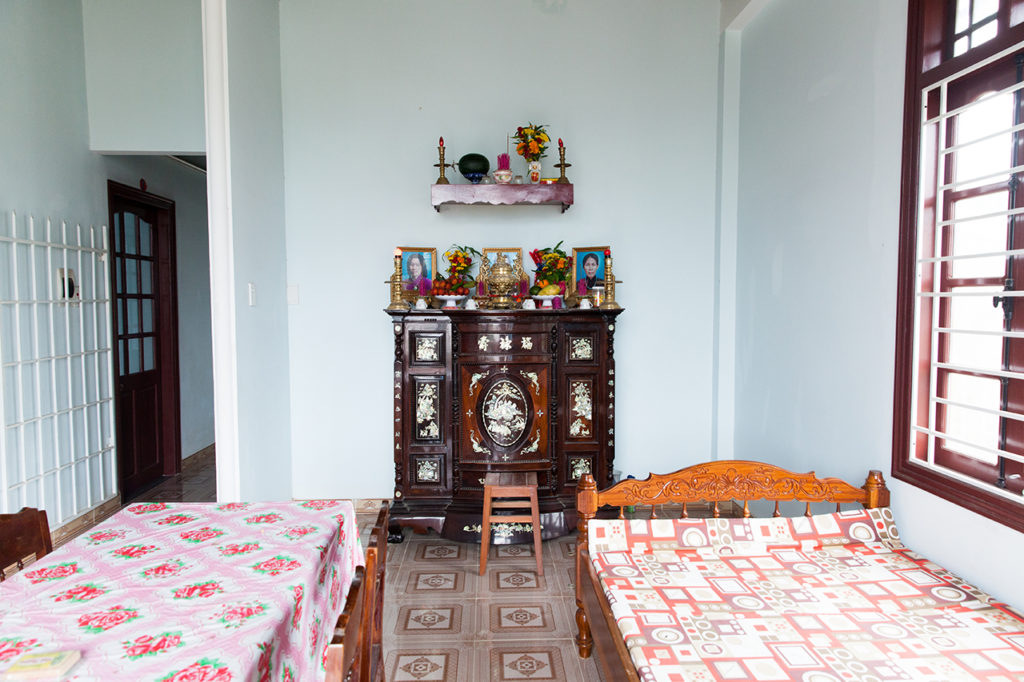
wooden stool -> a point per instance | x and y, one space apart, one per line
512 490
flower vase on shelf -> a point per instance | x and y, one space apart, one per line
533 171
531 142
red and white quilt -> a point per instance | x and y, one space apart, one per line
826 598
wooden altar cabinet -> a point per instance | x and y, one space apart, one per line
481 391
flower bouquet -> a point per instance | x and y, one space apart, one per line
532 141
458 282
551 271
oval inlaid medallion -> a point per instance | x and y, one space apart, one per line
504 413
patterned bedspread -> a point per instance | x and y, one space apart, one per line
168 592
826 598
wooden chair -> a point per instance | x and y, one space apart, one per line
22 535
511 490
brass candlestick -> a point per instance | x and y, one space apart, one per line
442 180
396 288
561 166
609 286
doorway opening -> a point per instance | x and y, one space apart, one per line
144 313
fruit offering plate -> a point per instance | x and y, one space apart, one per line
450 301
545 301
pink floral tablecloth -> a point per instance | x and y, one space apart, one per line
175 592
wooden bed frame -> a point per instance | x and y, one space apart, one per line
714 482
355 651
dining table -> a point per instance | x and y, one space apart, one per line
187 592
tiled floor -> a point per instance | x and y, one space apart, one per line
442 621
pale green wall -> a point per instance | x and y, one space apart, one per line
820 142
257 186
369 86
144 72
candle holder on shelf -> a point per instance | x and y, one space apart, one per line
561 166
396 287
441 165
609 286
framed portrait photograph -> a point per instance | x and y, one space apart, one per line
419 269
587 268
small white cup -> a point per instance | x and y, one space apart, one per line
421 304
585 304
528 304
470 304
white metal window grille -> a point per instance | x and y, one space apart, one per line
56 390
969 346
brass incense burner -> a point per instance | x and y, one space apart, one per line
503 282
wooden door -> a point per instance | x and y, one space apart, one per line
145 337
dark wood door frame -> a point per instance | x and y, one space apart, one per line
167 312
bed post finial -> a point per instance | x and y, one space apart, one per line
586 508
878 493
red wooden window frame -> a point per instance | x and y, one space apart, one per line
930 59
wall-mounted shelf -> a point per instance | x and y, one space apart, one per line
502 195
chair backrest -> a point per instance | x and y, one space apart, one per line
23 535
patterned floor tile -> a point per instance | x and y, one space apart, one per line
436 550
564 549
521 551
430 619
441 582
506 580
525 661
521 619
427 664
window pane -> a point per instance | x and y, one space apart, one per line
131 277
117 232
121 357
146 270
133 356
984 34
119 287
145 241
963 19
129 233
976 313
960 46
980 428
149 354
133 315
982 10
147 316
986 116
986 235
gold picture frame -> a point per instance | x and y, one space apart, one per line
580 277
423 258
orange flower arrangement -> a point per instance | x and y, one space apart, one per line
552 267
532 141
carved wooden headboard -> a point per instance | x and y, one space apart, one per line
728 480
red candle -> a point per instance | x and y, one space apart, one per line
440 141
560 145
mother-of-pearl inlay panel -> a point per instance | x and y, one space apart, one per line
582 422
505 410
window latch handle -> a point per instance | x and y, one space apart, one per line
1006 302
